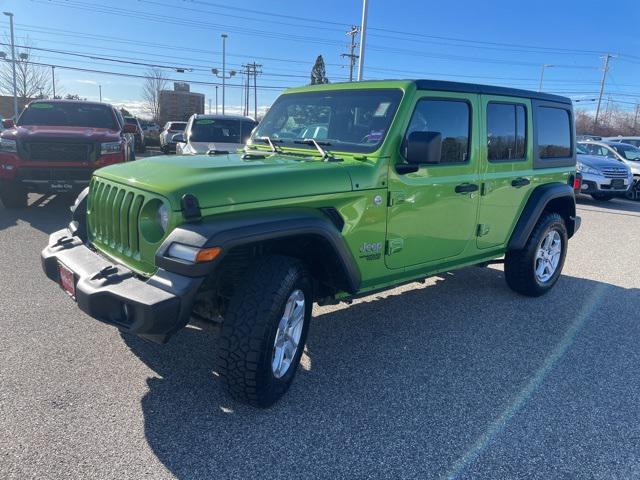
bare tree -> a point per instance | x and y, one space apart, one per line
154 82
31 80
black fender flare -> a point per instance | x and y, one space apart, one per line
235 229
537 203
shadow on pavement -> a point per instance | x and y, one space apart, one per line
619 204
429 382
46 213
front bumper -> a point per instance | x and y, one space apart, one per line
598 184
153 308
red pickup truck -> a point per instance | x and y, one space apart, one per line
57 144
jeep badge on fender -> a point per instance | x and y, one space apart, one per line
250 240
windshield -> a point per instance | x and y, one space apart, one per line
220 130
179 126
347 120
580 149
131 120
68 115
628 152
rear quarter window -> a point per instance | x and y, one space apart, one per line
554 135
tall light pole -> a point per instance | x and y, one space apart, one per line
546 65
216 99
13 65
363 36
224 76
53 80
100 90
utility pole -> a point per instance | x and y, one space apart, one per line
247 90
351 56
100 90
53 80
363 37
604 77
209 106
546 65
13 65
252 71
635 117
216 99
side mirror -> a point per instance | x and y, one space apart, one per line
178 138
424 147
8 123
129 128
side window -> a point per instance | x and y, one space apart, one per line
450 118
506 132
554 132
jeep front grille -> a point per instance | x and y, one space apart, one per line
615 172
114 217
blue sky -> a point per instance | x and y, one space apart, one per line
500 42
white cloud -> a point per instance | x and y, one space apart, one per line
87 82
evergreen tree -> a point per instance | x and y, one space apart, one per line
318 72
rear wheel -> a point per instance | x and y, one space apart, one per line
535 269
634 192
264 331
13 196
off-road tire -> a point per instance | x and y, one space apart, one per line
13 196
249 329
519 265
601 197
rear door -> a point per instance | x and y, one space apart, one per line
506 166
432 211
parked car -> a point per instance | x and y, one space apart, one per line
602 177
138 134
56 145
214 133
623 152
635 141
166 136
149 127
414 178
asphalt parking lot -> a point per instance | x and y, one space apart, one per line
458 377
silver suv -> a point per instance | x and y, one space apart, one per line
602 177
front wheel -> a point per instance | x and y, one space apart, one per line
264 331
535 269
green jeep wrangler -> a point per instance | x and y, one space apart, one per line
343 190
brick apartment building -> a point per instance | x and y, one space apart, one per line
180 103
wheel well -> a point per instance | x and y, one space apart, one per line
566 208
317 253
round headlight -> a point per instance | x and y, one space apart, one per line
163 217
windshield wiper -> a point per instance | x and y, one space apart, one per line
269 141
326 155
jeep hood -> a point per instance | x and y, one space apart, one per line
218 180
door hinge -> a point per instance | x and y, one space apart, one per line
394 246
486 188
396 198
483 229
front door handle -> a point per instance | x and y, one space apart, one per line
520 182
466 188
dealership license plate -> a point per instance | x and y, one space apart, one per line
67 280
617 183
60 187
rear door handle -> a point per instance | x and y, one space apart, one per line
466 188
520 182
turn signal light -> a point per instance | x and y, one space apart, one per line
207 254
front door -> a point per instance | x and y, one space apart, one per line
432 211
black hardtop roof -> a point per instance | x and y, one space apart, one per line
446 86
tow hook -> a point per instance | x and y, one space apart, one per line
63 241
105 272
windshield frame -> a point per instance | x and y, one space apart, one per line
332 145
115 124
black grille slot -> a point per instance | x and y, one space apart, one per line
48 174
59 152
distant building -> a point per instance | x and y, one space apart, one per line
180 103
6 105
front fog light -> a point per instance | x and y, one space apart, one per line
163 217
